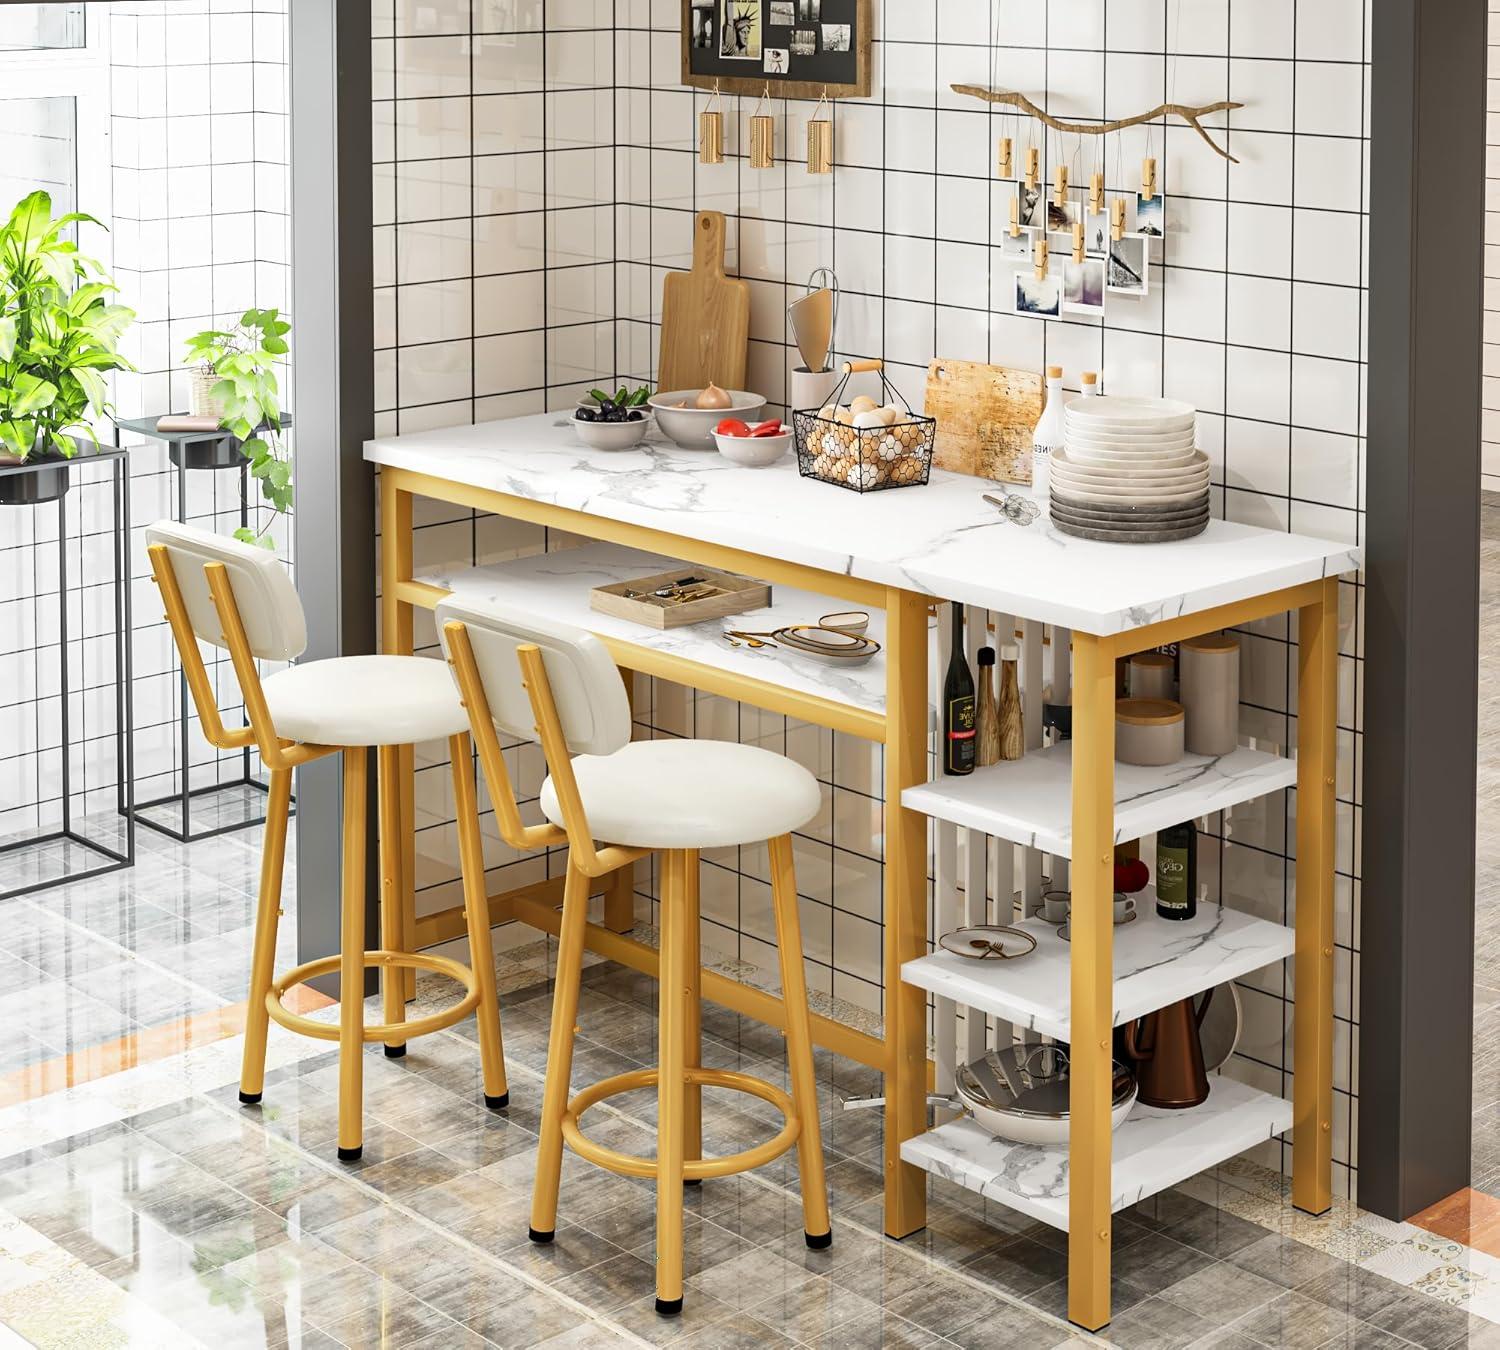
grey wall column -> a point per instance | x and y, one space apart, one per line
333 317
1422 601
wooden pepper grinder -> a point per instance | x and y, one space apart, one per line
989 710
1012 738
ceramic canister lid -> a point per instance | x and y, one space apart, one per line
1212 642
1148 712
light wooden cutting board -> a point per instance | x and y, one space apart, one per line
985 416
705 317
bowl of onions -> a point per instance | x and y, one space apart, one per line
689 416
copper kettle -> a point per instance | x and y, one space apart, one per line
1169 1056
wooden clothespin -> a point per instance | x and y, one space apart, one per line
1033 167
1040 253
1060 186
1078 241
1015 217
1007 157
1117 219
1096 194
1148 178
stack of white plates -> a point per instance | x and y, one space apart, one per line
1131 471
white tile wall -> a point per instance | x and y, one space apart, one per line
1255 314
196 165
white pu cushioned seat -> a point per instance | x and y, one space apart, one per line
365 700
689 795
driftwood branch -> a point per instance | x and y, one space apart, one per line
1189 114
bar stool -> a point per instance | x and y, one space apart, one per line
541 680
236 596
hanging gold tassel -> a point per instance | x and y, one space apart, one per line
763 136
1148 178
1007 158
820 140
711 132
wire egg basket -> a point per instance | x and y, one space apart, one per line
865 459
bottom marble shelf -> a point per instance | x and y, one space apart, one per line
1153 1149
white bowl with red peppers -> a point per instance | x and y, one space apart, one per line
754 447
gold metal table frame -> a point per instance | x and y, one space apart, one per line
900 1053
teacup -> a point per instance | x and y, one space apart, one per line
1055 906
1124 908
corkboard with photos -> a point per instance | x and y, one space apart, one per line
800 48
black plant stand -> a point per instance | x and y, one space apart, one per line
50 485
190 452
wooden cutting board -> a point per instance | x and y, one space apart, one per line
705 317
985 416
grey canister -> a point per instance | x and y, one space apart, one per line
1151 675
1210 680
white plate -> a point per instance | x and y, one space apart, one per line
1131 491
1065 466
1144 414
1126 445
1118 497
1178 461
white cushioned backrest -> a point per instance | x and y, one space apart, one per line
586 686
263 592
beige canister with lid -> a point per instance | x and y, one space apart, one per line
1210 693
1148 731
1151 675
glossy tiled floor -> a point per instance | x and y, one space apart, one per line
140 1204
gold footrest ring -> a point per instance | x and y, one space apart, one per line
375 1031
694 1169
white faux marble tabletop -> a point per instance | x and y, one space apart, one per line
942 539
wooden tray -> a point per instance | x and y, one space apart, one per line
731 595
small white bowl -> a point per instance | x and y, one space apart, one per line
754 452
693 428
612 435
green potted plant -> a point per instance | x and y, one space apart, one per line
59 336
234 380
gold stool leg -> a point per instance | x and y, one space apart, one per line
477 915
575 916
392 927
670 1102
352 958
692 1021
263 953
799 1044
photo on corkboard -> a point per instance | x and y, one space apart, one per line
703 29
778 60
1038 297
783 13
1128 270
740 31
805 42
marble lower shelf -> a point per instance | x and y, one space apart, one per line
1157 961
1153 1149
557 584
1030 801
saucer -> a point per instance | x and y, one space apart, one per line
1066 936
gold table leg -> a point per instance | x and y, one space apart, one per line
396 640
905 908
1312 1034
1089 1160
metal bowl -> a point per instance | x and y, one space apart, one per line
1021 1093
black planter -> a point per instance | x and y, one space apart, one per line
222 452
43 478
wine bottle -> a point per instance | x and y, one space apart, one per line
1177 871
989 710
960 741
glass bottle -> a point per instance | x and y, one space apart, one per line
989 710
960 737
1012 733
1177 871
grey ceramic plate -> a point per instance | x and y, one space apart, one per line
1137 536
1189 507
1132 520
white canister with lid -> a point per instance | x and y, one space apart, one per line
1210 692
1151 675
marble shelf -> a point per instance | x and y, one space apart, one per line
1157 962
558 584
1153 1149
942 540
1030 801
